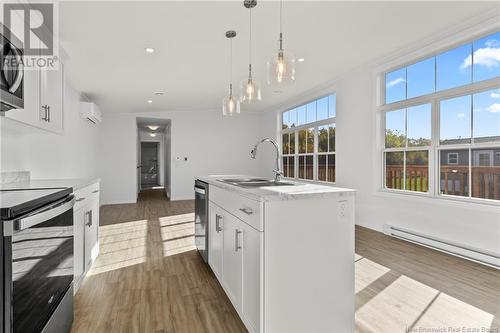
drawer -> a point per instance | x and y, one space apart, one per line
85 195
246 209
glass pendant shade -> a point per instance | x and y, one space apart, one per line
230 104
281 69
250 91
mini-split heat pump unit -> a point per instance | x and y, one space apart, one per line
90 111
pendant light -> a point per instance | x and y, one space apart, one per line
250 87
281 65
230 103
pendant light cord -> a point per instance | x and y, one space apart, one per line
281 16
231 66
281 25
250 48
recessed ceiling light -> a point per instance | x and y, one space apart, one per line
159 93
149 50
152 134
301 60
153 127
150 101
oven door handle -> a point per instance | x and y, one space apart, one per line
45 214
199 190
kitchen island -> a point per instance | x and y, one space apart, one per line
284 253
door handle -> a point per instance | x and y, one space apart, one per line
237 245
247 211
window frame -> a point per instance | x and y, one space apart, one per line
448 158
296 129
434 149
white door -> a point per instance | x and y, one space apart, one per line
251 246
215 243
232 258
79 244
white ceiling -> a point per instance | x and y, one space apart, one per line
105 42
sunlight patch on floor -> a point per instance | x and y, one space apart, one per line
408 304
367 272
121 245
447 309
177 234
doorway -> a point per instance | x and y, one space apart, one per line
149 164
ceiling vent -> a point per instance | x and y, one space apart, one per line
90 111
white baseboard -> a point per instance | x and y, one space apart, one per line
460 250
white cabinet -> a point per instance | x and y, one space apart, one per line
51 99
91 233
86 230
215 239
232 259
286 265
251 273
234 256
43 92
79 245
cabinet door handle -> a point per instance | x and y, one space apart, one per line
48 113
247 211
217 223
237 245
89 218
95 191
79 199
45 116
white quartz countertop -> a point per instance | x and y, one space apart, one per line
75 184
299 191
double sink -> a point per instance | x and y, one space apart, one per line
255 182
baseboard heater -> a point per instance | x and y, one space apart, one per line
459 250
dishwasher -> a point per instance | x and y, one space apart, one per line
201 218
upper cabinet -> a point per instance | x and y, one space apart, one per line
43 87
43 99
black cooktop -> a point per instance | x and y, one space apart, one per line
14 203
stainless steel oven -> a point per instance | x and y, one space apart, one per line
201 218
11 71
38 268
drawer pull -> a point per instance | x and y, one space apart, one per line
247 211
80 199
95 191
217 223
237 245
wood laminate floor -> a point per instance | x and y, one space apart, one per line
149 278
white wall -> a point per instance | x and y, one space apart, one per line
211 143
48 155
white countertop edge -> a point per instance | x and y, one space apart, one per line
297 192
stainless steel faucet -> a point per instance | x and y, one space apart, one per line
277 172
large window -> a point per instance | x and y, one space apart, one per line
442 123
308 140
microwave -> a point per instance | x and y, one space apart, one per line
11 71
